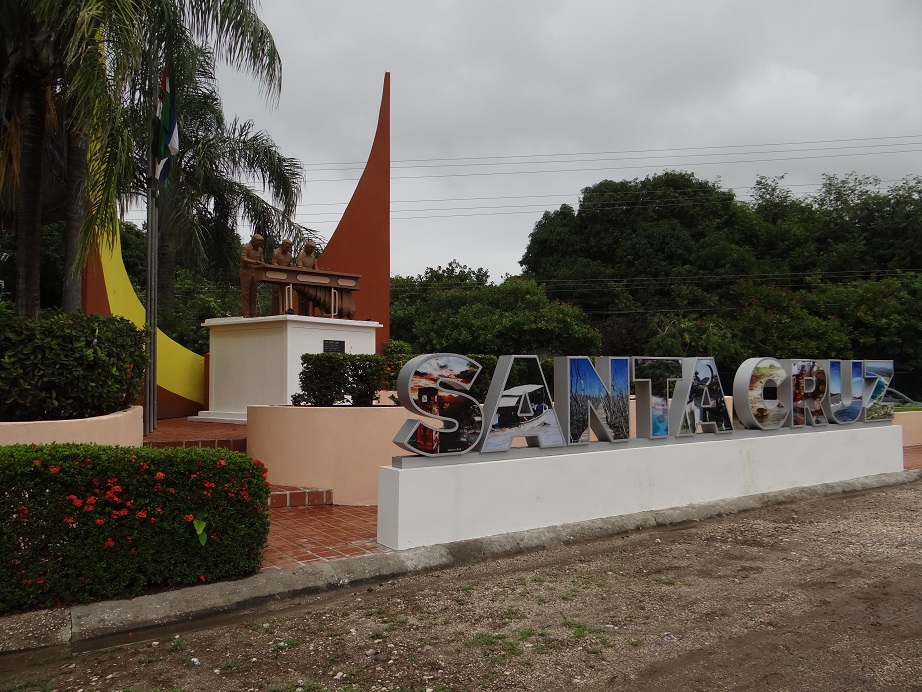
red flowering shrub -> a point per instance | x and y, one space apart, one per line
82 523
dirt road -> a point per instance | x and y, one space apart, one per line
822 594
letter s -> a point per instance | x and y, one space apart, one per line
429 385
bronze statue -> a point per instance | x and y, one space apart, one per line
309 296
251 257
317 295
281 257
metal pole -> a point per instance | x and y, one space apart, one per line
153 228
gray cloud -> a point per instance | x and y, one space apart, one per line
526 77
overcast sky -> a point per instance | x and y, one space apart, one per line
502 109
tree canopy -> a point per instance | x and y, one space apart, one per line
676 265
455 309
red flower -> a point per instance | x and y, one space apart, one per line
23 510
160 475
100 521
221 462
69 520
141 515
201 577
54 469
37 462
109 542
189 517
76 500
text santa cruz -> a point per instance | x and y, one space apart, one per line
674 398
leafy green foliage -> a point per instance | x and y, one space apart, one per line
88 522
196 300
328 379
456 311
396 354
675 265
61 366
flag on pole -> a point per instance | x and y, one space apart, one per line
167 131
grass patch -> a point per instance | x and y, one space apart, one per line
513 614
285 644
238 666
665 581
487 639
577 629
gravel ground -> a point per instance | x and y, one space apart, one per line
818 594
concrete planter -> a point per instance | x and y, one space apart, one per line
337 447
911 422
125 428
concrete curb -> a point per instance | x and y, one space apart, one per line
78 626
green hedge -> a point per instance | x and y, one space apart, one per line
328 379
62 366
83 523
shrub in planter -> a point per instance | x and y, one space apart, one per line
396 355
63 366
328 379
88 522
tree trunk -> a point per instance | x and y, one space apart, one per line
76 209
29 202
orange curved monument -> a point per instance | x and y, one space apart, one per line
361 243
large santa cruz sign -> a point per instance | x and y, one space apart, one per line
675 398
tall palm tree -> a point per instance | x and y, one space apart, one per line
96 56
209 189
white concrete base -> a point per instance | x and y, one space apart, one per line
257 360
523 489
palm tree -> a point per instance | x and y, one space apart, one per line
209 190
95 56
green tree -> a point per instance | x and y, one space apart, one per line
514 317
94 56
409 294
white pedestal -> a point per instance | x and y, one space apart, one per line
257 360
473 496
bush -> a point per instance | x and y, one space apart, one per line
89 522
328 379
396 355
63 366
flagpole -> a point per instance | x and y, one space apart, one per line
150 306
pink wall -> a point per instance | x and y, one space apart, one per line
340 447
124 428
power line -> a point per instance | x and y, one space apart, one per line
682 164
632 151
